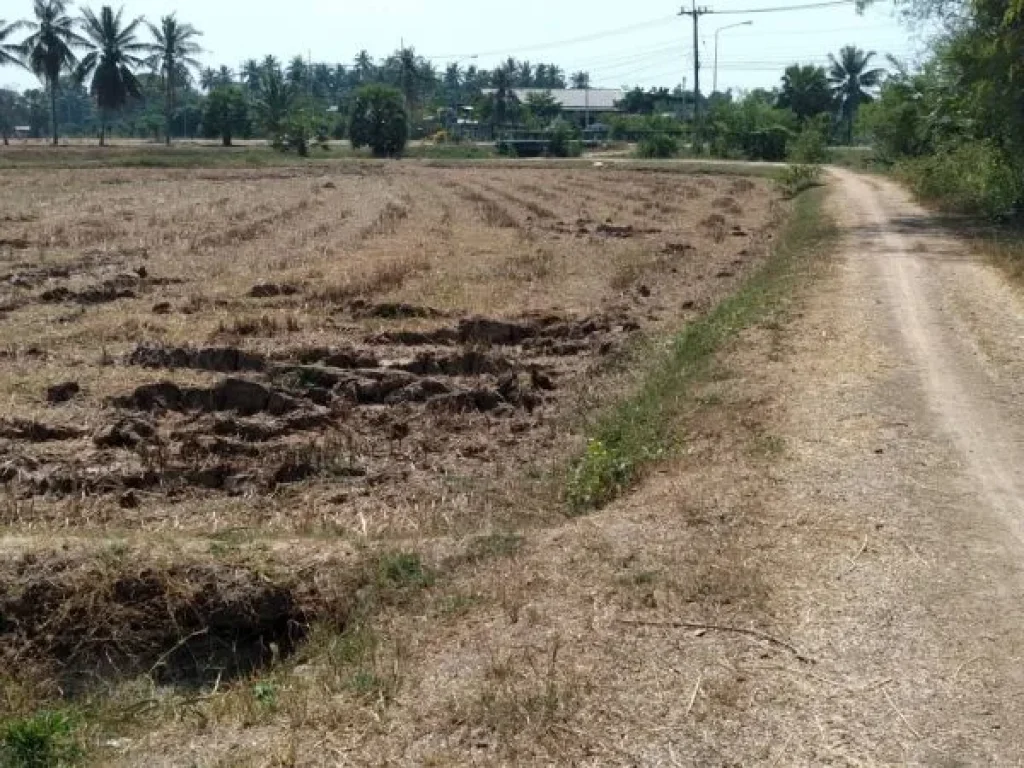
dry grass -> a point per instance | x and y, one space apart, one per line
343 374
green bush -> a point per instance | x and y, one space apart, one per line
797 178
975 178
660 145
638 127
379 121
599 475
45 740
564 140
299 129
767 144
752 128
809 147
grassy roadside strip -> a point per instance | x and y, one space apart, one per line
639 431
1002 246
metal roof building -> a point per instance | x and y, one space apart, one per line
575 99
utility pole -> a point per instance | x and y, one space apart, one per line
696 13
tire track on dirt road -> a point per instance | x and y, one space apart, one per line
901 555
924 274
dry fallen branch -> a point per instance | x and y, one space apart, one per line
800 656
693 698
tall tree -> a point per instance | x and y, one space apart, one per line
297 72
10 53
502 82
250 75
172 54
207 78
49 48
112 61
526 76
225 76
363 67
453 82
275 99
852 82
408 73
806 91
580 80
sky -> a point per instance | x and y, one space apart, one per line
640 43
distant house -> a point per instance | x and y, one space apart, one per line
583 106
22 132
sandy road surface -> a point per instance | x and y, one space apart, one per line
905 421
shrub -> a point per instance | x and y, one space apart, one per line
974 178
563 140
296 134
379 121
41 741
809 147
659 145
797 178
767 144
597 477
637 127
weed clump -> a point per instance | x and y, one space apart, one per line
45 740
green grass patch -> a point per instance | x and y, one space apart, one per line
45 740
641 429
402 572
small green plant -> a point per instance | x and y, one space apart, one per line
798 178
265 693
658 145
598 476
402 570
45 740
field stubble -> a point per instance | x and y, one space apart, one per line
218 375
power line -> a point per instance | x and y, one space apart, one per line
570 41
783 8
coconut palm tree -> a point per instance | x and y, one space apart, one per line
363 67
112 61
580 80
806 91
172 54
250 75
276 96
853 83
49 48
408 71
10 53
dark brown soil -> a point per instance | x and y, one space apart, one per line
178 621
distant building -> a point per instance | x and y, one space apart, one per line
583 106
22 132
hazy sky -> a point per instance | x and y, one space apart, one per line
653 45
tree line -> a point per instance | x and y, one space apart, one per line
954 126
102 69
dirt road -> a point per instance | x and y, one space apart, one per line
905 425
